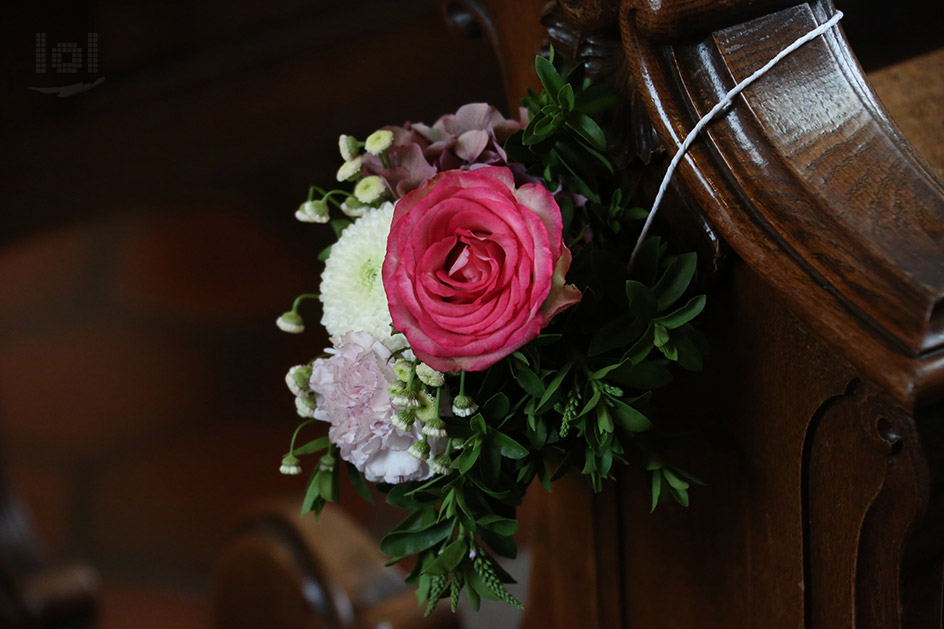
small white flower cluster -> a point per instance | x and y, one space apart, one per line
418 390
369 190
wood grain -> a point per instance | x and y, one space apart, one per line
810 183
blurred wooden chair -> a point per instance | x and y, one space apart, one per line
282 570
35 593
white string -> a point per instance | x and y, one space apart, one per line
728 98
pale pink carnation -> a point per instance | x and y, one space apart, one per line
351 388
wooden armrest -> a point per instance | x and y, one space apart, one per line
283 570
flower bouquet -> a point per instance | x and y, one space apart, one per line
487 328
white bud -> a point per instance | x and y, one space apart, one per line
305 405
429 376
351 169
290 322
369 189
354 208
313 212
291 466
348 147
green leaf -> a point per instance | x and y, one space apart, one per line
596 98
584 126
398 497
629 418
604 421
478 424
474 597
422 588
360 485
450 558
660 336
497 406
476 584
635 213
669 350
498 524
642 347
565 97
641 300
553 386
590 404
548 75
675 280
316 445
339 225
490 464
683 315
467 459
603 372
416 521
656 489
617 333
311 493
528 380
680 495
501 544
674 480
646 375
508 447
401 543
326 486
494 493
544 476
530 137
646 265
543 127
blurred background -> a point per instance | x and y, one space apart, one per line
154 155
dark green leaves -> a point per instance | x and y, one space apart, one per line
402 543
450 558
674 281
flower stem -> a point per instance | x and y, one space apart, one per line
291 448
301 298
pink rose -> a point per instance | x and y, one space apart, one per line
475 268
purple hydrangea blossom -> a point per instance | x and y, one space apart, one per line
472 137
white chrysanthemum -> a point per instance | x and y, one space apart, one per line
352 285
